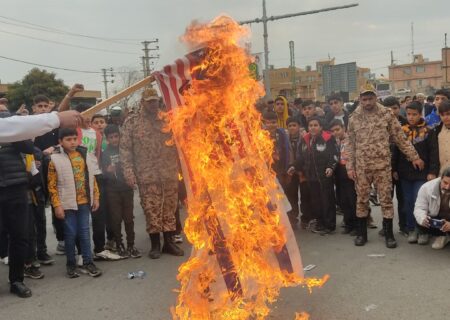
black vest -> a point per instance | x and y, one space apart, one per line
12 167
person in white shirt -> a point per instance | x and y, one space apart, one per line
19 128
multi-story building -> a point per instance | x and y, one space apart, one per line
446 67
421 75
309 83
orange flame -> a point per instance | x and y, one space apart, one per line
228 218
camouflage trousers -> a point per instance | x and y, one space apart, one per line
159 202
382 179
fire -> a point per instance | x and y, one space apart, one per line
233 223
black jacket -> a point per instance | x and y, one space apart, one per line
116 181
12 166
329 117
426 145
316 155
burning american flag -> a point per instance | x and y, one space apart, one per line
244 249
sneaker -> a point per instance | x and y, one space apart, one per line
122 252
72 272
423 239
178 238
326 231
413 236
79 260
404 231
106 255
36 264
5 260
133 252
111 245
440 242
60 248
45 259
317 229
312 224
91 269
32 272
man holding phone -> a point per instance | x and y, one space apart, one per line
432 211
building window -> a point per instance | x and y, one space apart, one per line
407 70
419 83
407 84
420 69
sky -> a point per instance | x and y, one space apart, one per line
365 34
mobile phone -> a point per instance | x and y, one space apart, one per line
435 223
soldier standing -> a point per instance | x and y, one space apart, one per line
150 161
371 128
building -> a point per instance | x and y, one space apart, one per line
316 84
421 75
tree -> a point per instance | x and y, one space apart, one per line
34 83
126 78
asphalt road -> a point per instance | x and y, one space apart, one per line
411 282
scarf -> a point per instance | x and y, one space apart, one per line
282 121
418 133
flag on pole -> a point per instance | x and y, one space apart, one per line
173 80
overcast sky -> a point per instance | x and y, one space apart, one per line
365 34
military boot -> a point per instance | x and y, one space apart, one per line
361 236
155 252
389 233
169 245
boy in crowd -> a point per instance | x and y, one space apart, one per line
345 187
433 119
317 161
281 154
92 140
337 111
119 196
98 123
425 143
443 134
45 143
282 110
432 211
308 111
292 188
392 103
36 200
73 201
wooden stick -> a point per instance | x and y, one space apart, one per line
122 94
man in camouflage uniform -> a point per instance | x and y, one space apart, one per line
150 161
371 128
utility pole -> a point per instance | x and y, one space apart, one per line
147 57
392 58
292 65
265 19
107 73
446 59
412 41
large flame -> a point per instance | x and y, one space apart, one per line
218 133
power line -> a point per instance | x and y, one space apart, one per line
46 66
55 30
66 44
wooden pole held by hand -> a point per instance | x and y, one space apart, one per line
122 94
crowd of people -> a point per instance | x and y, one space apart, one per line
85 169
329 159
335 158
